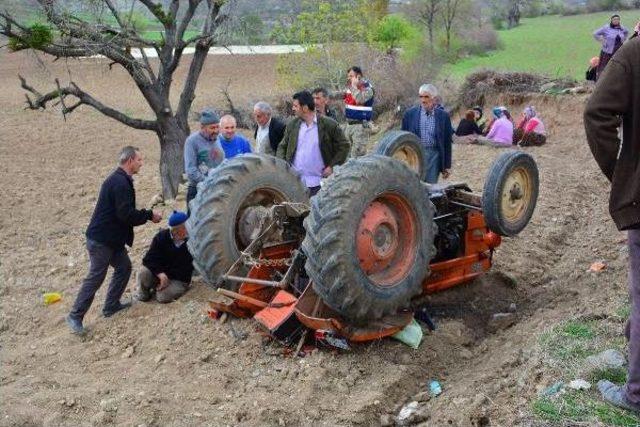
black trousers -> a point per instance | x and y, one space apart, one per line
101 257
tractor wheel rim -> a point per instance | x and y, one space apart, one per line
516 194
386 239
409 157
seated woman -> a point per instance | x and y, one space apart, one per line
530 131
501 132
480 120
467 130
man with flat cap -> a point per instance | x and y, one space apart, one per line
167 266
202 152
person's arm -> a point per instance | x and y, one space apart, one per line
625 32
343 147
599 33
125 207
191 162
531 125
493 130
610 99
476 129
362 94
153 259
281 152
246 146
447 143
278 133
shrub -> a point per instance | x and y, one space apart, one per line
37 36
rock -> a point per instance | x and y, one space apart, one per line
548 86
607 359
513 307
386 420
501 321
128 352
108 405
102 418
553 389
579 384
423 396
159 358
466 354
205 357
69 403
411 413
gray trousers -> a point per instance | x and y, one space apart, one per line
633 377
100 258
432 165
148 282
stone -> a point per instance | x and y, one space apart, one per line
501 321
606 360
386 420
465 353
159 358
411 413
513 307
128 352
579 384
423 396
108 405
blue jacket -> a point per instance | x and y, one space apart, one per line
444 131
115 213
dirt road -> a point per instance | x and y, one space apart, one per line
172 366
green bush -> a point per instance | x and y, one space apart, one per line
394 31
36 37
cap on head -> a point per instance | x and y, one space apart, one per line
209 117
177 218
497 111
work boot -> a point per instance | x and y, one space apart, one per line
75 325
615 395
113 310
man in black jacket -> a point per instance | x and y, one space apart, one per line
111 227
167 266
269 130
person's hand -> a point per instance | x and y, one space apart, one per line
164 281
446 173
156 217
355 81
327 171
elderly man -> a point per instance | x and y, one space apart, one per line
167 266
433 126
321 100
202 151
269 130
358 110
110 229
232 143
312 144
617 95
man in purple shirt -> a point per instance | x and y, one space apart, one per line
312 144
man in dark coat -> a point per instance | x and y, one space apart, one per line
269 130
616 96
111 227
312 144
433 126
167 266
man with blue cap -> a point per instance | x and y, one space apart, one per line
167 266
202 151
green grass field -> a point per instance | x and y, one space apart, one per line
553 45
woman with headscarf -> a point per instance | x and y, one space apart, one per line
501 131
479 118
530 130
611 36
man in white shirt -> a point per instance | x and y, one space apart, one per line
269 130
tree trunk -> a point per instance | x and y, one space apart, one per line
172 138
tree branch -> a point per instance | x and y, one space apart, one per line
41 101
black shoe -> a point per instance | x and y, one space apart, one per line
113 310
75 325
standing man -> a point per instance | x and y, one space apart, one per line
202 151
433 127
321 100
111 227
358 109
269 130
232 143
617 95
312 144
167 266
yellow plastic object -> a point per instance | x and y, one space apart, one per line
51 297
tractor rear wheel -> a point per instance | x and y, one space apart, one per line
510 193
369 238
226 204
403 146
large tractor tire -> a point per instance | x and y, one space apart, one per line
510 193
369 238
403 146
217 229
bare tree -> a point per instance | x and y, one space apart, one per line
450 9
426 13
73 36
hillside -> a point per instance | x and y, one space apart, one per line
554 45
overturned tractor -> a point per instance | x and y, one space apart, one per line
351 259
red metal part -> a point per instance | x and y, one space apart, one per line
386 239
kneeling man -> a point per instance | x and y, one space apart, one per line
167 267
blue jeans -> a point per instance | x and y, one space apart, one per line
432 165
101 257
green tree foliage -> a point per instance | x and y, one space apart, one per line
394 31
35 37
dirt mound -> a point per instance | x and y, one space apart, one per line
171 365
481 85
